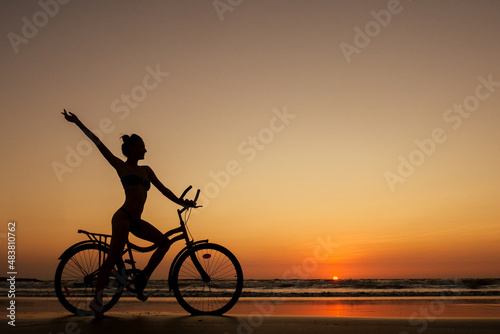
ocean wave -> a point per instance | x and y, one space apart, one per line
311 288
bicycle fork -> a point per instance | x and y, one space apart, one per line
204 276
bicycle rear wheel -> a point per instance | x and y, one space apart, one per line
215 297
76 277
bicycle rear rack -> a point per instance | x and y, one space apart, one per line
97 237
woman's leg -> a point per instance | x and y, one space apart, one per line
119 236
144 230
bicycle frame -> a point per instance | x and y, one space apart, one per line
102 239
188 248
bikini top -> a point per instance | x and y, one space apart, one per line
132 180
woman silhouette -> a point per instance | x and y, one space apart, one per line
136 181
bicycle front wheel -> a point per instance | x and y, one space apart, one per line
76 277
215 297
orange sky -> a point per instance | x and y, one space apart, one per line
348 138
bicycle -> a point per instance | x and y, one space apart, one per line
206 278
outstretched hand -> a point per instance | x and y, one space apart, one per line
70 117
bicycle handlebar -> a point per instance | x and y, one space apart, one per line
194 200
185 192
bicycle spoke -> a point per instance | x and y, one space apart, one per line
76 278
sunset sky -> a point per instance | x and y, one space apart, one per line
350 138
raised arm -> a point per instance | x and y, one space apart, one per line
112 159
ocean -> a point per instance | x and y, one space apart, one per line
310 288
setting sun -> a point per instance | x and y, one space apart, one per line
335 278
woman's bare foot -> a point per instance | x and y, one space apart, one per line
140 284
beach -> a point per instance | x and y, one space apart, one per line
264 315
170 323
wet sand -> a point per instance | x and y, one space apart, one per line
175 323
260 315
388 307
